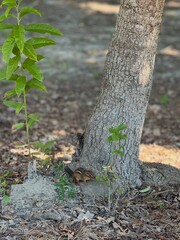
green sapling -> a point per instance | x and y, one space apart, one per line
19 53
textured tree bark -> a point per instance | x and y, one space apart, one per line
125 90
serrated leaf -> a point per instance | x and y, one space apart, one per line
40 57
11 3
13 77
8 11
18 126
31 123
11 104
119 152
33 69
40 42
3 17
29 51
7 48
33 116
9 94
6 26
49 144
3 74
43 28
18 106
20 85
34 83
12 66
38 144
27 10
19 35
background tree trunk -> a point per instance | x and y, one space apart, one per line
125 90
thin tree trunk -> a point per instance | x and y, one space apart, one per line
125 90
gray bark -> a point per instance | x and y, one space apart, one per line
125 90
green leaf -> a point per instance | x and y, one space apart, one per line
11 3
33 69
144 190
40 57
45 147
109 139
122 136
14 77
40 42
27 10
38 144
48 145
121 127
3 17
6 199
8 11
43 28
17 126
20 85
34 83
12 66
31 123
9 94
119 152
115 137
19 35
7 48
16 51
29 51
18 106
3 74
111 130
33 116
6 26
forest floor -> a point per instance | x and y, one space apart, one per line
73 72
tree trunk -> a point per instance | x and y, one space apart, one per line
125 90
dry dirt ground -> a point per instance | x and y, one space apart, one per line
73 72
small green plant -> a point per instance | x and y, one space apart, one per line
115 136
64 189
46 147
19 53
4 187
164 100
161 204
108 176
